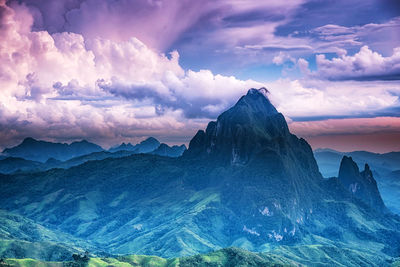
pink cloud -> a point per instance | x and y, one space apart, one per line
157 23
62 85
65 85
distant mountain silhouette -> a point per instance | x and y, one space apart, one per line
169 151
12 165
383 166
329 160
31 149
148 145
123 146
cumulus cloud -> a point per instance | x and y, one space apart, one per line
364 65
198 94
313 99
282 58
303 66
62 85
235 29
267 41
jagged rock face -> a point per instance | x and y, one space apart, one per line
252 133
276 177
242 131
361 184
252 130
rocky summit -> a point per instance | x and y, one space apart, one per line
361 184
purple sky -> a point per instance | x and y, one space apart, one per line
120 71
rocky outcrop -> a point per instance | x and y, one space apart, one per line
361 184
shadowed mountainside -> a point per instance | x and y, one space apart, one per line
361 184
245 182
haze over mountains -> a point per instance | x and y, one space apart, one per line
245 181
34 155
32 149
385 168
146 146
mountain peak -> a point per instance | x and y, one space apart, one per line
248 131
150 139
168 151
29 140
366 168
256 100
348 167
361 184
82 142
262 91
147 145
39 150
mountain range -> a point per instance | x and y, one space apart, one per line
245 181
146 146
31 149
385 167
19 158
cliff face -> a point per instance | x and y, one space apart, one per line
361 184
252 130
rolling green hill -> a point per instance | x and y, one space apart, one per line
21 237
284 256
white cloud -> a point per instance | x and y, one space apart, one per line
307 99
364 65
261 40
303 66
64 86
330 37
282 57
